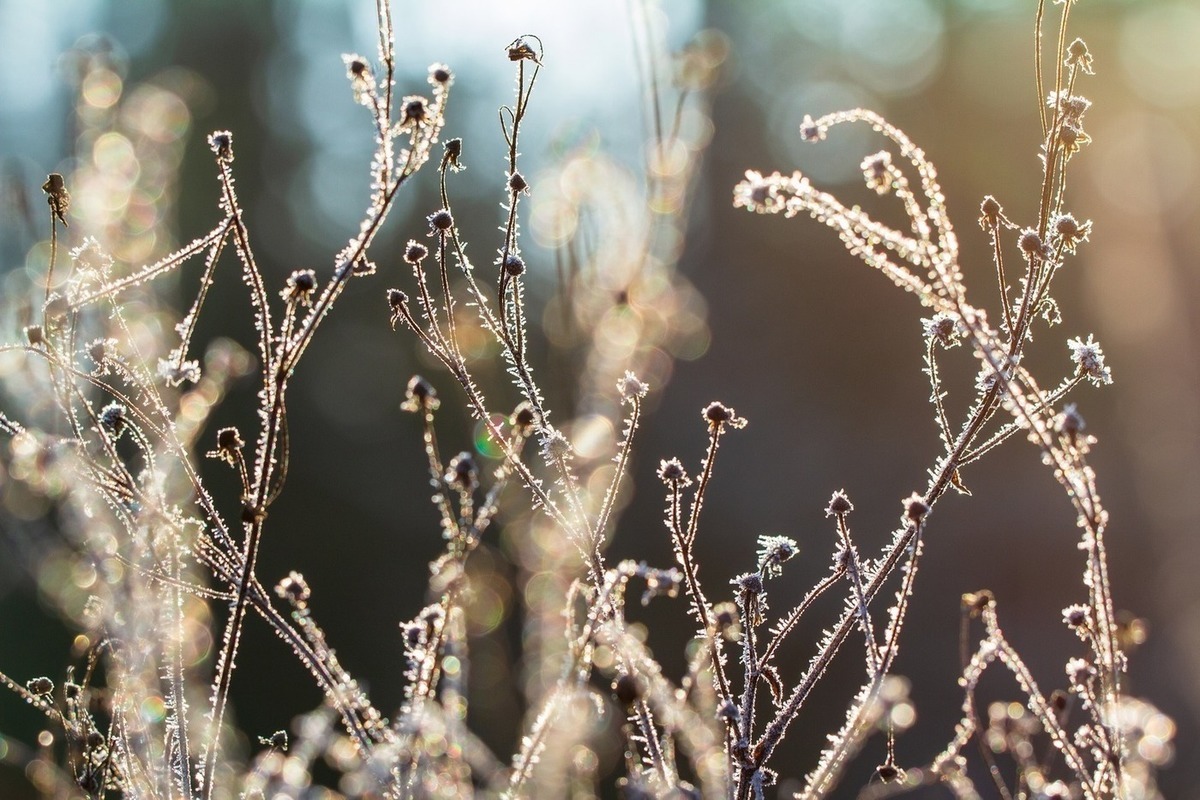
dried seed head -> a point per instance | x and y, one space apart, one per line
1031 245
915 508
725 617
398 302
229 446
420 395
524 418
414 111
300 286
1078 56
35 335
40 686
839 504
415 252
943 328
976 602
221 143
294 589
441 74
1059 700
440 221
718 415
810 131
990 213
521 50
112 418
631 386
1071 232
878 172
461 473
1070 422
750 583
452 154
1089 360
672 473
57 196
517 184
1076 616
514 265
887 773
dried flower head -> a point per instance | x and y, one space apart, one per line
524 418
631 386
672 473
112 418
439 73
414 112
773 551
35 335
452 156
810 131
514 265
415 252
40 686
521 50
879 172
299 287
915 508
420 395
839 504
440 221
942 328
462 473
57 196
1089 360
1070 231
1032 246
229 446
718 415
294 589
221 143
991 214
1079 57
517 184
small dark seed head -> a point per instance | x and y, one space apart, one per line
441 220
1031 243
415 252
221 143
524 417
514 265
1068 134
420 395
358 68
441 73
462 472
628 689
35 335
839 504
229 440
517 183
718 413
887 772
397 299
750 583
294 589
1078 48
305 280
40 686
279 740
1059 700
112 418
915 508
416 110
671 472
978 601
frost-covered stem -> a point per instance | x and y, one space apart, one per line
904 538
1050 399
935 396
854 572
1001 278
623 451
788 623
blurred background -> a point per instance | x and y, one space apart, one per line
820 354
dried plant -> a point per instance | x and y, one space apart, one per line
110 445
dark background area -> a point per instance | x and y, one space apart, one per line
820 354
